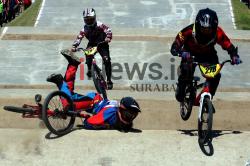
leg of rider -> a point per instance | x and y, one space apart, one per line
89 60
80 101
186 73
104 52
89 64
213 84
70 76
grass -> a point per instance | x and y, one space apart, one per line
241 14
28 17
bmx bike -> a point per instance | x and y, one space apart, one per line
203 99
96 72
58 111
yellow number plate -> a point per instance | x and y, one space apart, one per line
91 51
210 71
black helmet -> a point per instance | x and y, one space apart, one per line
206 24
129 109
89 16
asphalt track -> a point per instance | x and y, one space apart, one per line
29 55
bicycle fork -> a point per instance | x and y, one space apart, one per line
205 93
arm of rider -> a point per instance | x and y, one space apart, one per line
78 40
107 31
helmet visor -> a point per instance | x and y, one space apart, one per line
206 31
127 115
89 20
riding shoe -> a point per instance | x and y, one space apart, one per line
109 85
71 57
55 78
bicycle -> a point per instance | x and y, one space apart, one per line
98 79
203 100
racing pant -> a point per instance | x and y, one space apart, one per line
103 50
185 76
86 102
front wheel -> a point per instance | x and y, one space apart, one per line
187 105
99 81
55 113
205 122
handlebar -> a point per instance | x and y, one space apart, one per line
85 49
198 63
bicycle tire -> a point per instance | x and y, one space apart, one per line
61 115
99 81
207 108
187 105
18 109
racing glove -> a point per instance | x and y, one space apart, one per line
233 51
185 55
236 60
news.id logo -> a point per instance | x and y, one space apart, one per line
248 163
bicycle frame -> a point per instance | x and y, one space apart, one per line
37 113
208 72
91 52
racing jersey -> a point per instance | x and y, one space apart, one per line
105 115
186 41
95 34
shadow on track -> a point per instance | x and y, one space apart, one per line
207 147
80 127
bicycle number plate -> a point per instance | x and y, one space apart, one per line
91 51
210 71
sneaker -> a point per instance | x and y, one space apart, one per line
109 85
89 74
55 78
71 57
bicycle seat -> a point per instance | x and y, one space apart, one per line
196 78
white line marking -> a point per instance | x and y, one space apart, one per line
40 13
3 33
232 13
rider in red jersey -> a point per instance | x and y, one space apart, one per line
198 40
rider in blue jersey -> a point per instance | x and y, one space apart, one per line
107 114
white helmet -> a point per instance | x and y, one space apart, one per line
89 16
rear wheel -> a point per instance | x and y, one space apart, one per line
205 122
99 81
18 109
56 113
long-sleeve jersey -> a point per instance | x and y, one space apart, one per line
105 115
95 34
186 41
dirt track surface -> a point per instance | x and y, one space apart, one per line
108 148
156 115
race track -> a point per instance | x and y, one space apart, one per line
29 55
